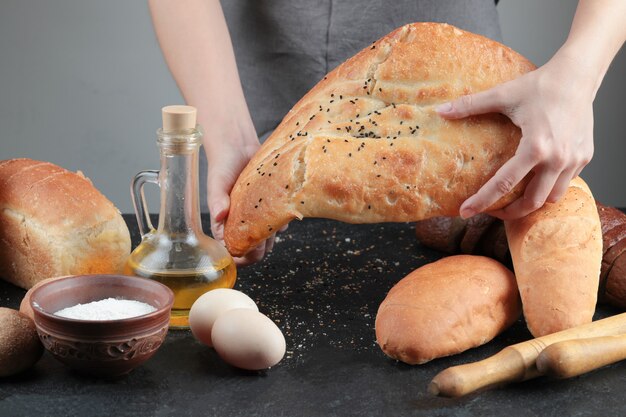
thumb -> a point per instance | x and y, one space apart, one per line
218 210
217 198
488 101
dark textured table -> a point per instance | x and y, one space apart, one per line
322 285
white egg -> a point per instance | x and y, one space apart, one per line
248 339
209 306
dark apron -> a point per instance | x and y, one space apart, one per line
284 47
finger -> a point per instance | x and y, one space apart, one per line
561 186
242 261
586 154
534 198
503 182
217 230
218 206
480 103
218 199
255 255
219 212
269 243
578 171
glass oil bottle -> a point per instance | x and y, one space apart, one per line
178 253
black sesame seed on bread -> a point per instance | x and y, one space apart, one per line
365 145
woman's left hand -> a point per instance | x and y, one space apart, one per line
553 107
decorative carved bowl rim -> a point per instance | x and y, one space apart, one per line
113 350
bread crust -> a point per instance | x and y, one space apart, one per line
55 222
365 144
442 233
557 252
447 307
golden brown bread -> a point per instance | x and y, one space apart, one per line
55 222
447 307
556 252
25 306
366 145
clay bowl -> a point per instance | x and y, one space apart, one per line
107 348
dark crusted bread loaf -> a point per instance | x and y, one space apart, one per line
55 222
366 145
613 271
446 233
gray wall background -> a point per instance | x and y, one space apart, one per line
82 83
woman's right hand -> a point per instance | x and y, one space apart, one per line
226 159
230 139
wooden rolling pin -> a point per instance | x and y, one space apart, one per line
575 357
516 362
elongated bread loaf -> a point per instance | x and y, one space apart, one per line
557 252
447 234
365 145
447 307
55 222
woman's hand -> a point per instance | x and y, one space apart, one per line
215 90
225 162
553 107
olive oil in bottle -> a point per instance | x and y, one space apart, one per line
178 253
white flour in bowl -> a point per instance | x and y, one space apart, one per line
107 309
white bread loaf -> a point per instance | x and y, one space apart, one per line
447 307
557 252
55 222
365 144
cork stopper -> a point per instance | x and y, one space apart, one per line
178 118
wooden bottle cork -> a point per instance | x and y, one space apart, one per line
178 118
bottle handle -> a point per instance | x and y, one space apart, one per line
139 200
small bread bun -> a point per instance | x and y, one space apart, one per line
20 347
447 307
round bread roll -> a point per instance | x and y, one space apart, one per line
25 307
447 307
20 347
366 145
